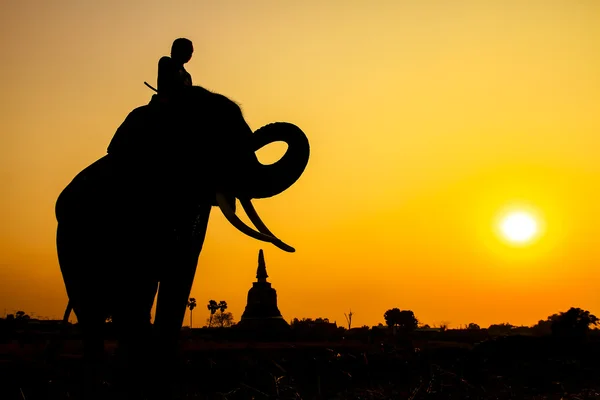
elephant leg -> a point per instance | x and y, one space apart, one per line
93 351
176 279
131 318
85 288
135 285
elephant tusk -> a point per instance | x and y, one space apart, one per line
242 227
253 215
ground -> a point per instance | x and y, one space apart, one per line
426 369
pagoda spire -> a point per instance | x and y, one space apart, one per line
261 271
261 315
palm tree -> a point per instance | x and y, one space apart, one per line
191 305
213 307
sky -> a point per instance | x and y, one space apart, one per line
428 121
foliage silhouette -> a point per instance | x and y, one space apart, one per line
212 306
21 315
574 323
500 329
224 319
404 320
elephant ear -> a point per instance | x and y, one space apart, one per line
262 181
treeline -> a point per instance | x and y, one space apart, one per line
573 324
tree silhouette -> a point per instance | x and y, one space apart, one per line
500 329
20 315
224 319
349 319
222 306
309 321
544 327
473 327
191 305
212 307
391 316
405 320
574 323
302 322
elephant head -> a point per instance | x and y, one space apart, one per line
217 124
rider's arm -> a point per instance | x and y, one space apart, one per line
166 74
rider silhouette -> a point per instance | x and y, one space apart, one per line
172 76
171 81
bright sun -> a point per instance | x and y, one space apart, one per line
519 227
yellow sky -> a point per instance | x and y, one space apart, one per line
426 119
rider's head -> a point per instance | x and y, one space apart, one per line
181 50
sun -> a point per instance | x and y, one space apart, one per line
519 227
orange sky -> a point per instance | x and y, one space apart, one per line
426 120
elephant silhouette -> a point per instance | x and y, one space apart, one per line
132 224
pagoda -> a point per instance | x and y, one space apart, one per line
262 314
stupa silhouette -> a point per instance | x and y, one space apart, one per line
262 314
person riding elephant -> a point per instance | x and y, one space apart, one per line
172 81
172 76
131 225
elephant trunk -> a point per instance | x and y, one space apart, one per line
257 181
265 181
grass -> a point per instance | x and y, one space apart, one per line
434 370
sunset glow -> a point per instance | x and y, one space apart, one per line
519 227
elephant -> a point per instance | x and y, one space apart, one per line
130 226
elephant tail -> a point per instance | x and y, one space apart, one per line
67 313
